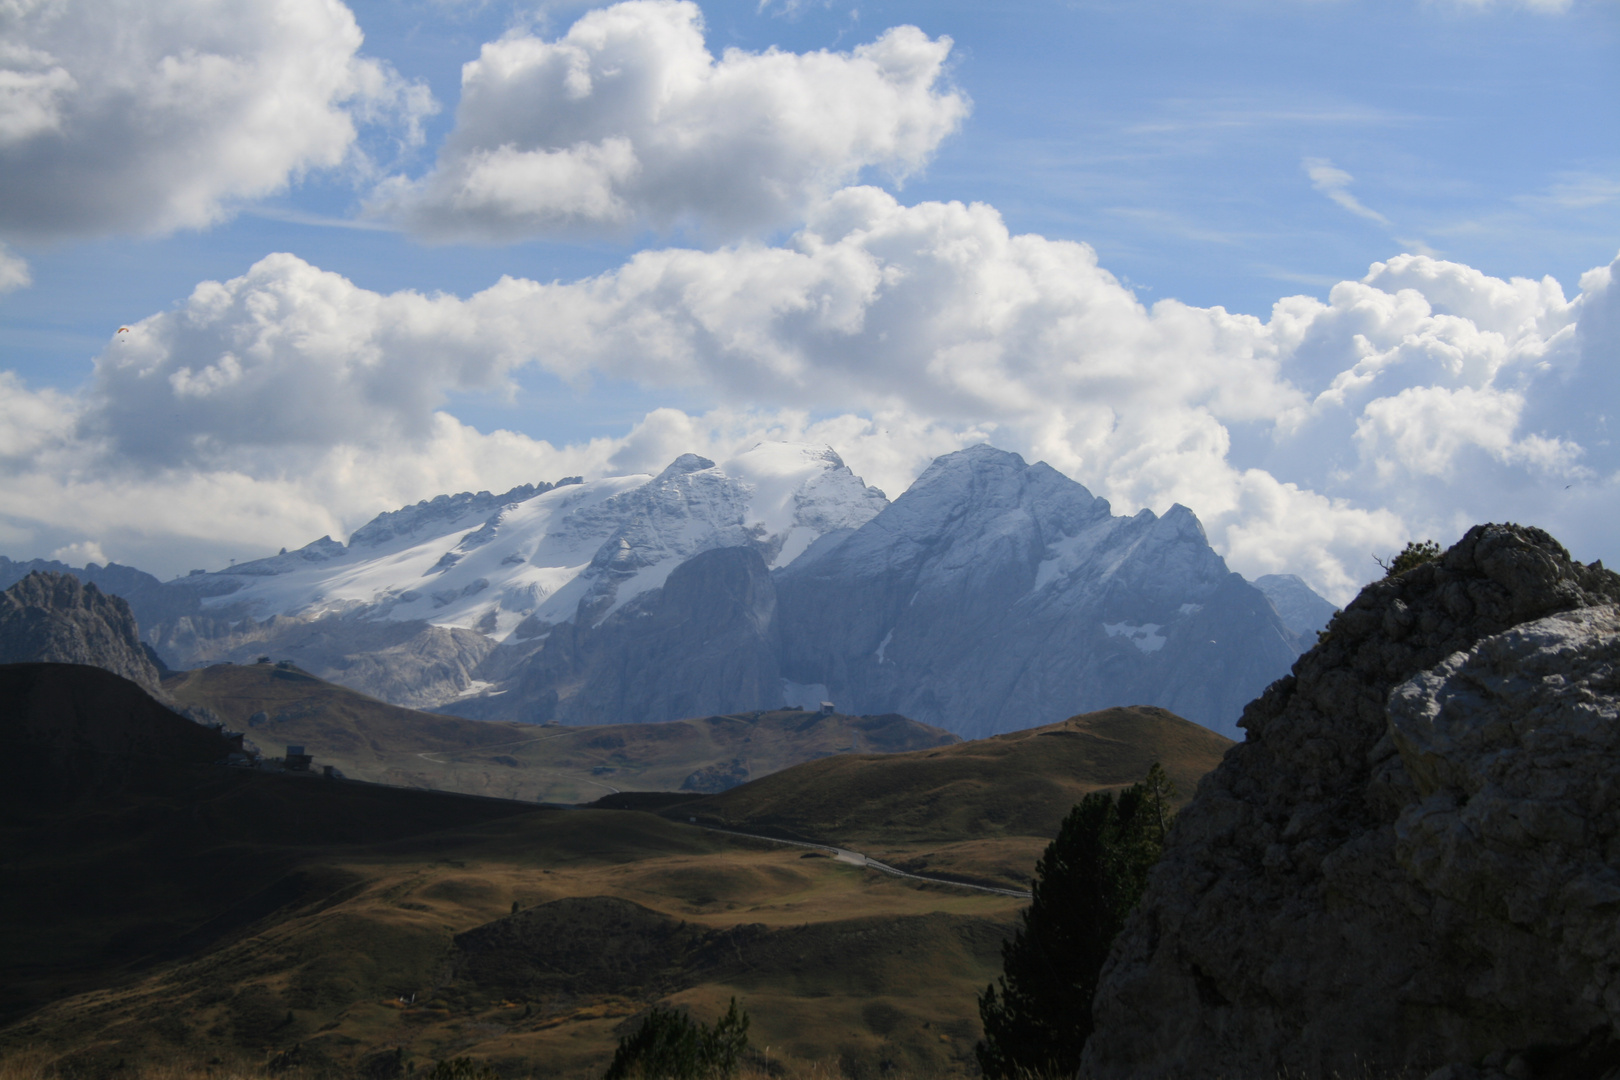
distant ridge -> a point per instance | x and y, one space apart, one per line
1018 784
368 739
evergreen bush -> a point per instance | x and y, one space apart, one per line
670 1045
1085 884
1412 555
462 1069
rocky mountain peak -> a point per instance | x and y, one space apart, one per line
56 618
1300 607
1383 847
686 463
1087 609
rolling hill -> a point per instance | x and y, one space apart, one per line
366 739
158 906
980 810
164 907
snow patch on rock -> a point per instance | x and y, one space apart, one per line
1145 637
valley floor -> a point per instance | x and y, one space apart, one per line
842 969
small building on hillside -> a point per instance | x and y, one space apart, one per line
827 708
296 760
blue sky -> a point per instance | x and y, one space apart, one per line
1225 154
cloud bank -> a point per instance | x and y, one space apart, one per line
1421 398
145 116
627 121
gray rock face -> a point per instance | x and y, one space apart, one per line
1411 863
706 642
413 664
996 595
55 618
154 603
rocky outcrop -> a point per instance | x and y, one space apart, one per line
1410 867
155 603
56 618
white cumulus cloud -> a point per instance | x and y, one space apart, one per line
81 553
628 120
1413 402
151 115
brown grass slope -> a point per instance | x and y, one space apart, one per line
368 739
979 810
160 907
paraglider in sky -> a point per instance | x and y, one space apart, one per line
123 334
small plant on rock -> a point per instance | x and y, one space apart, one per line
1412 555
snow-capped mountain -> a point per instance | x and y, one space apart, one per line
518 563
996 595
993 595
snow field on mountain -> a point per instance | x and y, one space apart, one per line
474 562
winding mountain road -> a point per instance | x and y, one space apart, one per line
856 858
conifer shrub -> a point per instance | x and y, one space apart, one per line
670 1045
1085 884
462 1069
1412 555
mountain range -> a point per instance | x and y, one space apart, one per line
993 595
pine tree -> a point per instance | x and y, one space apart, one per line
670 1045
1085 884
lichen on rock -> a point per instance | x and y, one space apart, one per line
1413 861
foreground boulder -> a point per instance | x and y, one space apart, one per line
1412 865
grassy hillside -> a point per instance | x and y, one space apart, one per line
982 810
189 911
371 740
176 910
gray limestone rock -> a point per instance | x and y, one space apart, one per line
1412 865
56 618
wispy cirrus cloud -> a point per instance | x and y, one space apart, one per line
1334 182
1577 191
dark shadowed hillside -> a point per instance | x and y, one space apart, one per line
158 906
